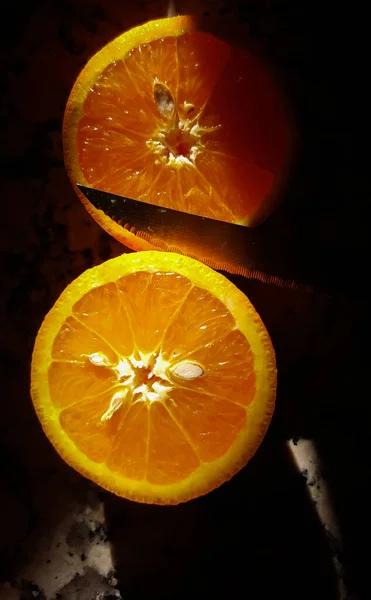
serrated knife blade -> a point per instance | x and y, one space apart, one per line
268 253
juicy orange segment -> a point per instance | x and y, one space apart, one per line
178 118
154 376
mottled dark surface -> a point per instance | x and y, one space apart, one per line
257 536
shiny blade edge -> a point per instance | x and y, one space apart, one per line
235 249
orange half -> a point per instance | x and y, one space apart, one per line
153 376
175 117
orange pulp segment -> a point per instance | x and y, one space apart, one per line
154 376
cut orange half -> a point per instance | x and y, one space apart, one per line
154 376
175 117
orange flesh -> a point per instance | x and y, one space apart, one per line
161 440
219 153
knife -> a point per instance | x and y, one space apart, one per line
275 252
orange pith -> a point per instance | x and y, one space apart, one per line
154 376
176 117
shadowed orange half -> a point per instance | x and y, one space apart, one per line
154 376
176 117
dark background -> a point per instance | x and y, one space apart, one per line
257 536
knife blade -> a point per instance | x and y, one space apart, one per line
272 253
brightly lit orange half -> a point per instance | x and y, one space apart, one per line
176 117
154 376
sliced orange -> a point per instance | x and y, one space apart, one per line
154 376
176 117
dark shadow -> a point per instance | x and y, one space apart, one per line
321 346
256 535
318 57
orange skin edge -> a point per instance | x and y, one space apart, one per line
259 412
